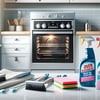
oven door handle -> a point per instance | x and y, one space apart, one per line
70 32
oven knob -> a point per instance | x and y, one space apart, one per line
38 26
62 25
44 25
68 26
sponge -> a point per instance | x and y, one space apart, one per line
65 82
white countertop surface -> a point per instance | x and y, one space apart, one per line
54 93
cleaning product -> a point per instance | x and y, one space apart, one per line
98 77
87 66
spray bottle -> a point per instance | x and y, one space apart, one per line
98 77
87 66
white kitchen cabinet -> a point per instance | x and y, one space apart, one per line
37 1
16 52
16 61
84 1
15 39
16 49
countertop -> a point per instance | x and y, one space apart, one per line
28 33
15 33
87 32
54 93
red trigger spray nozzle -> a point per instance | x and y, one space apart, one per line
83 40
98 39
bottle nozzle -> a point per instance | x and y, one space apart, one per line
87 39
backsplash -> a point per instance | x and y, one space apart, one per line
83 12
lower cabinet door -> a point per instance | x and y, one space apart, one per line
16 61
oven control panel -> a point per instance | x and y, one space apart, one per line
53 25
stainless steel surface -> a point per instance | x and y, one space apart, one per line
54 16
64 20
34 32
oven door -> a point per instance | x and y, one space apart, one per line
52 47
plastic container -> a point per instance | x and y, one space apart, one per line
87 67
19 28
12 28
98 77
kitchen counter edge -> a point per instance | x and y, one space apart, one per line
15 33
87 32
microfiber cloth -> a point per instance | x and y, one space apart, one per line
9 74
14 78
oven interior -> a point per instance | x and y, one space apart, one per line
52 48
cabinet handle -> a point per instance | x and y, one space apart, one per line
16 58
16 49
16 39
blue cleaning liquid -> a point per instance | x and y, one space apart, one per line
87 69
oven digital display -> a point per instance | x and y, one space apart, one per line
53 25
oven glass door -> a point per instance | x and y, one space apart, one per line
52 48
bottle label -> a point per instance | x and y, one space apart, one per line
98 74
98 78
87 72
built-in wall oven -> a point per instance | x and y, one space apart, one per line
53 42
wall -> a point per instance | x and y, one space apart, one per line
1 23
84 12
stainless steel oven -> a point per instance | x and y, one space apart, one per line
53 40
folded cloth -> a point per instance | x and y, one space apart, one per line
14 78
12 74
13 82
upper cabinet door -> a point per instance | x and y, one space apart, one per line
54 1
27 1
21 1
37 1
84 1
